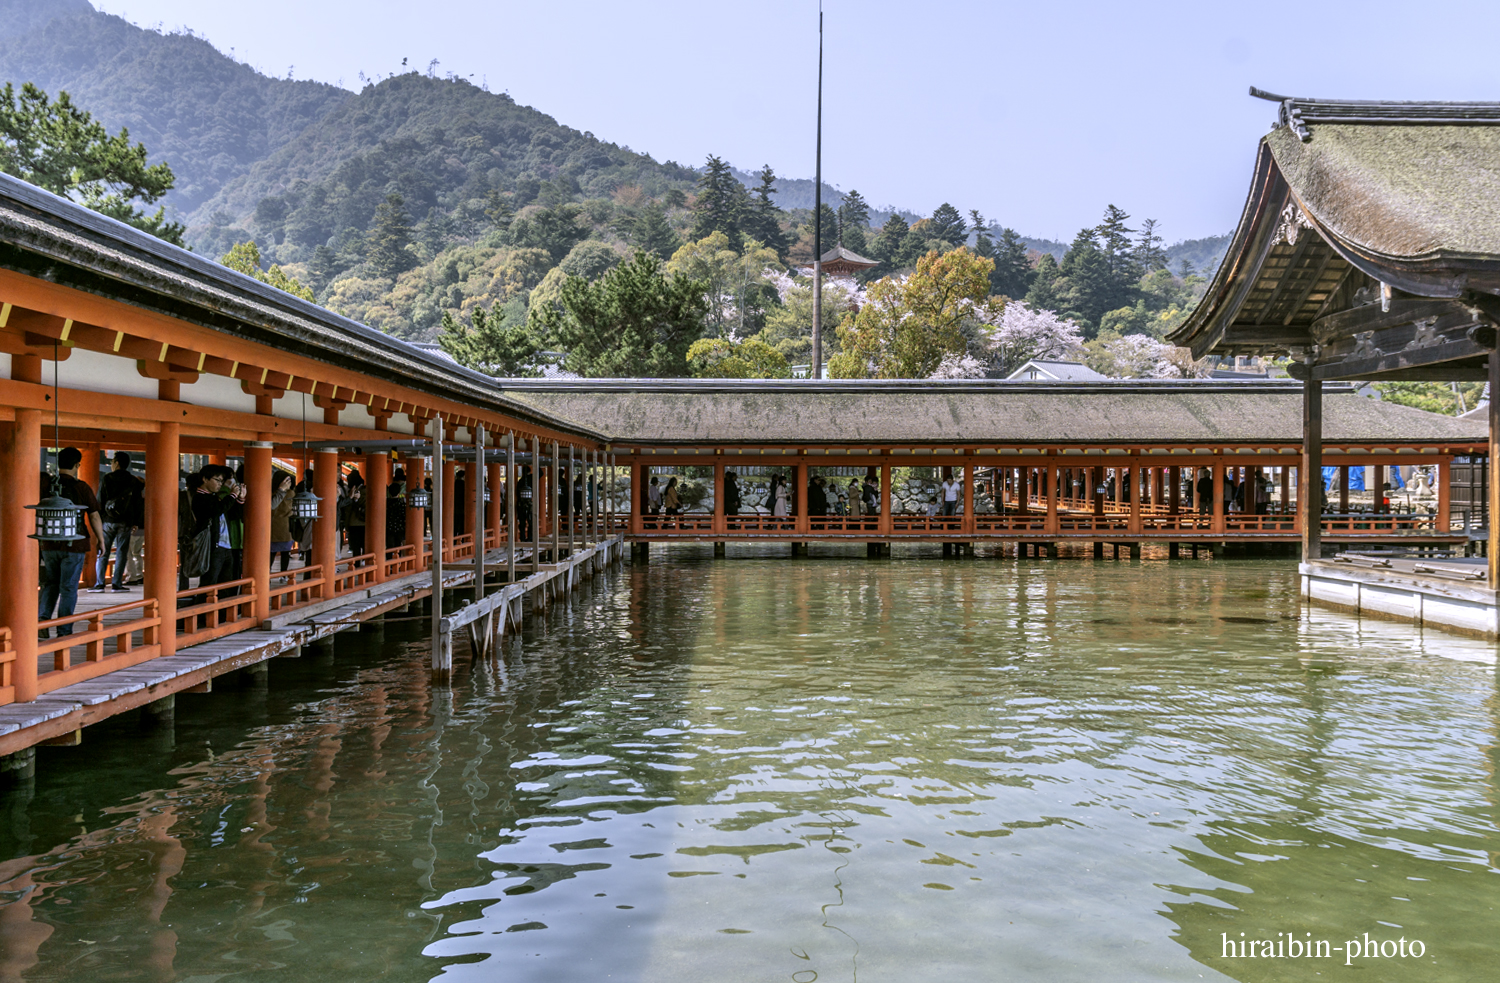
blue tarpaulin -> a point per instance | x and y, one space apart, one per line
1356 479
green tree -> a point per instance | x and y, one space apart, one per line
245 258
651 233
555 229
890 245
1149 255
59 147
631 322
1042 295
1013 274
854 220
907 327
722 203
947 225
720 358
497 209
726 275
762 221
488 344
386 250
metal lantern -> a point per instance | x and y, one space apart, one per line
486 494
305 505
418 498
56 520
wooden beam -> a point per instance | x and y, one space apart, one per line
1416 358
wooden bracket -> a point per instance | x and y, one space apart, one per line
166 372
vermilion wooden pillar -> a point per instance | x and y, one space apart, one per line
377 490
471 501
162 451
1218 525
258 524
886 524
493 509
799 495
721 519
325 541
416 477
968 524
1132 475
1053 479
1444 506
88 472
20 486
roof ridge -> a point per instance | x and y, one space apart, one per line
1297 111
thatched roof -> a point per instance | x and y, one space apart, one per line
1130 413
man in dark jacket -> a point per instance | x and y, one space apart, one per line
124 510
212 510
62 563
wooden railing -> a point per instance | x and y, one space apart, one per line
100 656
353 572
400 560
1380 523
459 547
292 591
205 613
7 665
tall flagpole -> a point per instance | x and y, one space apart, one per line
817 346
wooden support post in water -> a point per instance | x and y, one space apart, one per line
1310 477
442 651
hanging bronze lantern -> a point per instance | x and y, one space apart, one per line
57 520
418 498
305 505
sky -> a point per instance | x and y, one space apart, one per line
1036 114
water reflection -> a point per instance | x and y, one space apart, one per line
817 769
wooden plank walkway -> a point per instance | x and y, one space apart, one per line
58 716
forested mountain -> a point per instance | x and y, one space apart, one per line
207 115
420 200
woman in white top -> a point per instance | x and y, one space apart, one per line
951 490
779 504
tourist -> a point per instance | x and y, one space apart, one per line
778 496
123 508
952 488
855 496
395 510
523 505
871 501
282 542
211 513
354 519
671 500
1204 493
653 497
817 500
62 563
731 493
460 520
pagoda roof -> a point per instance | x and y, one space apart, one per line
843 257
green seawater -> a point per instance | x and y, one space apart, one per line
771 769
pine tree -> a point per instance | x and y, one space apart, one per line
487 344
763 219
1013 274
948 225
830 230
721 205
1113 239
387 253
1043 293
984 245
652 233
890 244
497 210
1148 251
1089 287
59 147
854 220
322 267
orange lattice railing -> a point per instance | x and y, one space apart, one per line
114 637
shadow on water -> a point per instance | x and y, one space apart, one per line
760 768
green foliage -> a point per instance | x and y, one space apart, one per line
720 358
854 219
631 322
495 341
948 226
1043 292
1449 398
1013 274
762 222
722 204
555 229
650 232
788 322
727 278
59 147
388 256
907 327
245 258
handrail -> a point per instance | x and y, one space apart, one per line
7 660
359 571
224 615
97 660
400 560
293 592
